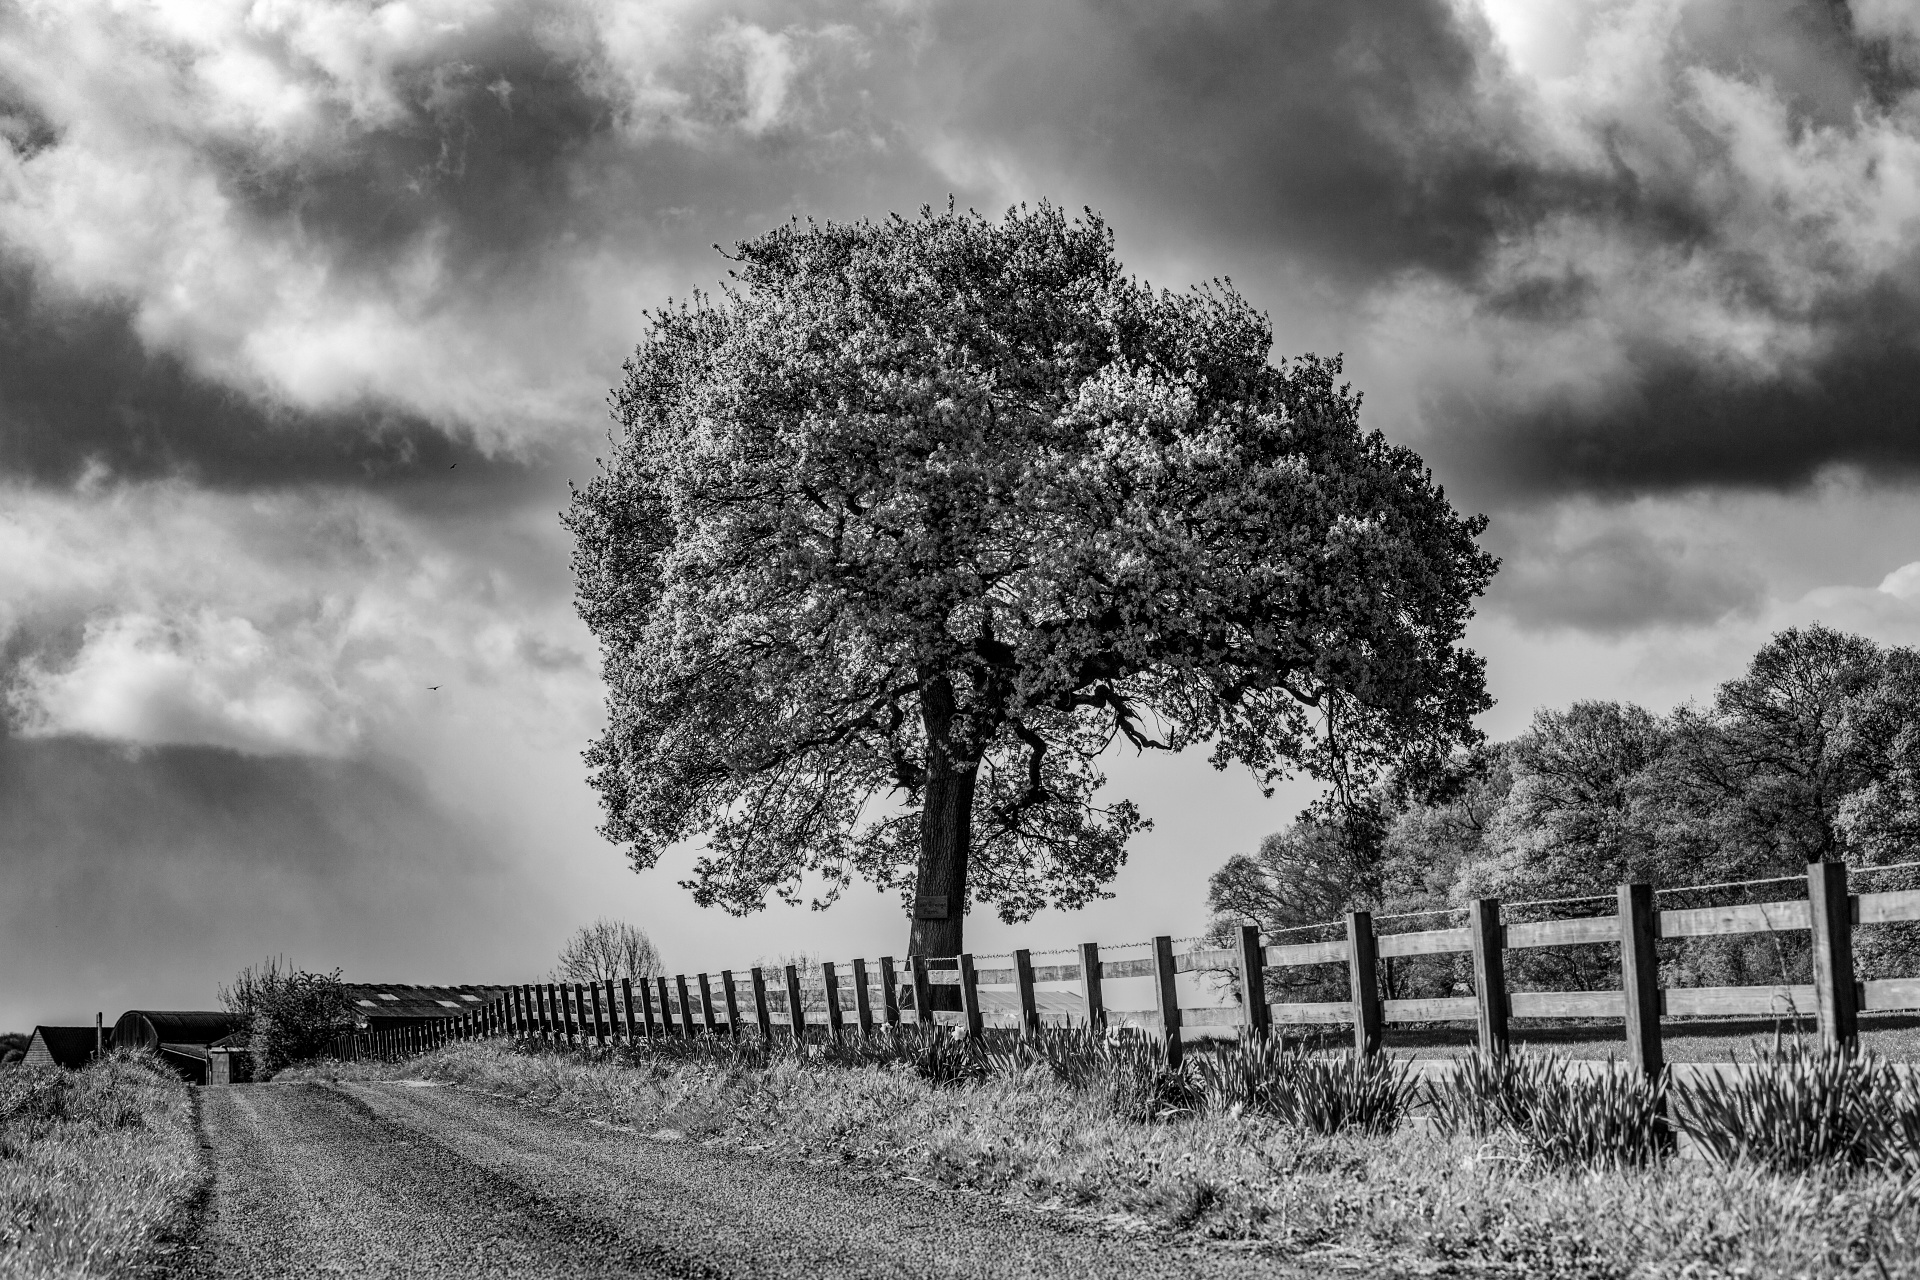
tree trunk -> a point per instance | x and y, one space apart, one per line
946 831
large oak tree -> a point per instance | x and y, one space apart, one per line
917 518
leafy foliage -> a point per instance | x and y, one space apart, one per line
937 509
292 1015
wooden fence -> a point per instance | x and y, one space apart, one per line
864 996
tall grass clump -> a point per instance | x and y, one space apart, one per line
1802 1107
1569 1115
1321 1093
94 1164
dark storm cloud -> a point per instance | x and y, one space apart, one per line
80 391
209 860
1352 137
1676 424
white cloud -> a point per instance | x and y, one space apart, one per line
307 623
199 680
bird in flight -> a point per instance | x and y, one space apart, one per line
432 687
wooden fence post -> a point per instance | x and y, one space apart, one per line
626 1003
761 1013
889 992
576 1015
970 996
796 1008
1256 1014
667 1025
1090 986
732 997
1023 983
1363 976
686 1006
706 1006
922 991
862 999
647 1023
1489 973
613 1012
1640 978
1830 907
522 1016
1167 998
830 979
550 1013
599 1024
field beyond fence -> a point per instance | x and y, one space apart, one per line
860 996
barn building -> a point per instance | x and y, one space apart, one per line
182 1038
61 1047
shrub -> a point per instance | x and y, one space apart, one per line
292 1015
1568 1114
1800 1107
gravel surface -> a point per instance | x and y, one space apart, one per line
391 1180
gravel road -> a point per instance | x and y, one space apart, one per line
391 1180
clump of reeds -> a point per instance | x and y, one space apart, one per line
1801 1107
1320 1092
1567 1114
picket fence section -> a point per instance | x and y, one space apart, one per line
864 997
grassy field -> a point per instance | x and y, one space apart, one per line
1404 1201
94 1164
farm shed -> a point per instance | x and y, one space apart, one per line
60 1047
181 1037
385 1006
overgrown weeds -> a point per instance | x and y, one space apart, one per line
92 1163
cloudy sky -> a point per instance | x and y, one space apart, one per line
308 312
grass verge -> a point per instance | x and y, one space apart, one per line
1401 1200
94 1164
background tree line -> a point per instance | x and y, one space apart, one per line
1813 754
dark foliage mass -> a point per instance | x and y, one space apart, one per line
292 1015
1813 754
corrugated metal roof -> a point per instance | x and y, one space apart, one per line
405 1000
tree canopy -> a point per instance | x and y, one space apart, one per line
917 518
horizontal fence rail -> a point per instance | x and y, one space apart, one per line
862 997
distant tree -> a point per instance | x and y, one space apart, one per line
919 517
1770 763
1577 817
607 949
13 1046
1880 817
292 1015
1299 876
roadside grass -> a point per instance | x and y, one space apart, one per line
94 1164
1484 1199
